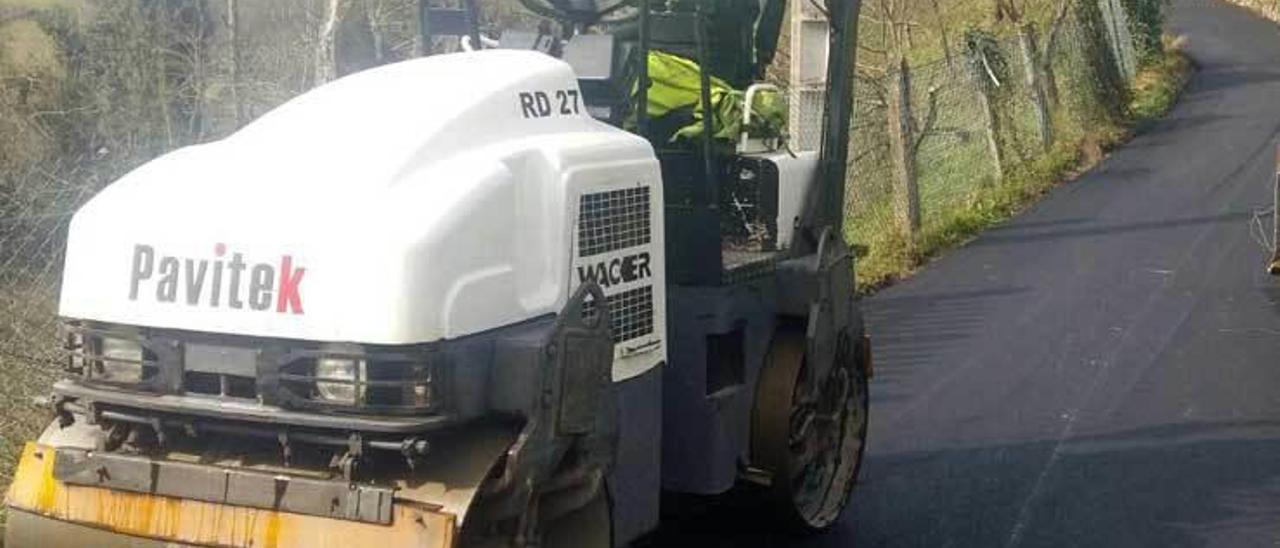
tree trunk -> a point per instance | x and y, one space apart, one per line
943 37
326 62
233 40
986 97
1006 9
166 100
202 118
373 12
1035 85
1050 49
902 147
1050 83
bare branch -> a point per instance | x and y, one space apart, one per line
1055 29
926 129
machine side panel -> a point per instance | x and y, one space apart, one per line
617 242
635 483
706 435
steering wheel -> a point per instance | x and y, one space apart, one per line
584 12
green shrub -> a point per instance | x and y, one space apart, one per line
1146 22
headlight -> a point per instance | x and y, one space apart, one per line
120 360
353 379
415 388
349 372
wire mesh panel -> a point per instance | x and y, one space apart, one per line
1120 37
35 208
971 118
870 186
630 313
608 222
952 156
808 74
613 220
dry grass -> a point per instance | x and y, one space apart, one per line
1159 84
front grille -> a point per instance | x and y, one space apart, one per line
214 384
630 313
613 220
391 381
610 221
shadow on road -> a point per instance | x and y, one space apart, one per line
1235 217
1184 485
911 332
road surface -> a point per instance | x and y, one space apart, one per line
1104 370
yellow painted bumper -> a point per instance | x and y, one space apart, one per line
189 522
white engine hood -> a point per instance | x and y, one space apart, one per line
405 204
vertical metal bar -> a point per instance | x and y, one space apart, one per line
1274 267
424 28
834 154
473 24
642 91
710 185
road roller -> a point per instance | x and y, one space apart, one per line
518 294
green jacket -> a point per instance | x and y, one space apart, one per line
676 85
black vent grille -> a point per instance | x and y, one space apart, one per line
630 313
613 220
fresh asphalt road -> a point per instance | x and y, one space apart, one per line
1103 370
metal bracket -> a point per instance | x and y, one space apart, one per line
286 448
349 462
572 413
413 449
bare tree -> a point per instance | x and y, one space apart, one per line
1050 48
1037 61
1007 10
233 38
326 63
905 133
374 13
944 38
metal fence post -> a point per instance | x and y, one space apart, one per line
988 86
1119 37
1274 267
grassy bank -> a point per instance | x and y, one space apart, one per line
887 256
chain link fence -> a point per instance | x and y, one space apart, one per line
929 138
35 208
